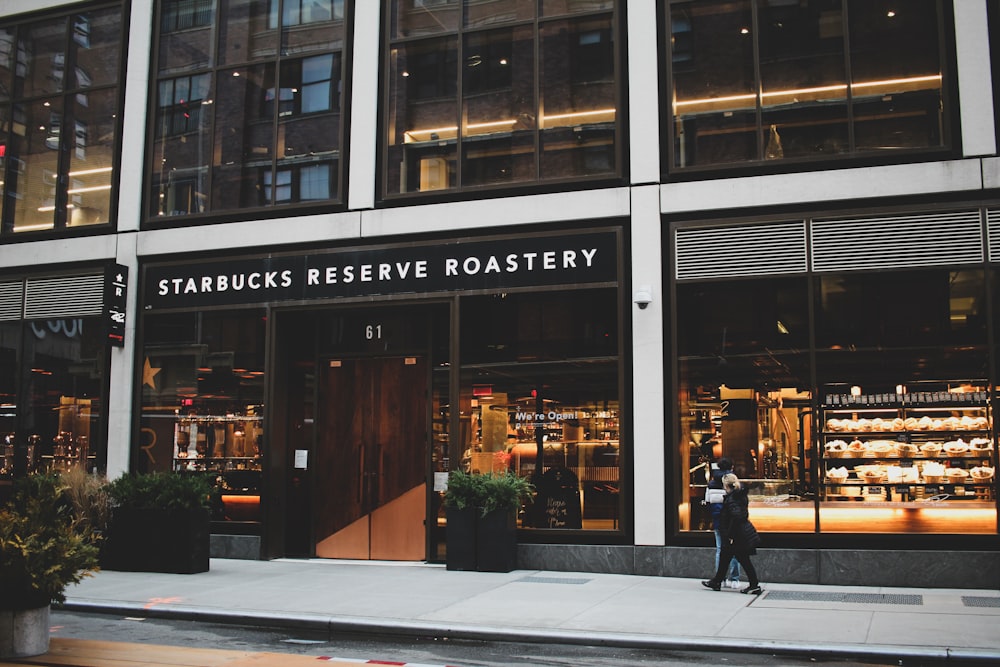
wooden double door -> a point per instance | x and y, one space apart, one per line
370 460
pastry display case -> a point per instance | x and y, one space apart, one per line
909 450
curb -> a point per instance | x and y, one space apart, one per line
410 628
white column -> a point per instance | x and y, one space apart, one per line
140 40
975 85
648 372
643 92
122 391
364 105
121 394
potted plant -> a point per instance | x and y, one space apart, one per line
462 500
482 520
43 549
159 523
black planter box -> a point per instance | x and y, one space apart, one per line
172 541
496 542
461 539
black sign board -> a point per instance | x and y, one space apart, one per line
529 261
115 295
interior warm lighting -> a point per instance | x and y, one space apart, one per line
94 188
89 172
49 209
855 390
449 132
880 86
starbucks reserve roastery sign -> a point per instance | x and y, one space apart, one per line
473 265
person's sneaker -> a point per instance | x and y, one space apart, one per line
713 585
752 590
734 583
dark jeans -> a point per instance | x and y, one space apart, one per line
728 552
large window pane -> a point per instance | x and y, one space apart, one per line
33 166
63 368
181 152
540 397
714 94
538 100
499 104
91 157
244 113
743 394
896 74
802 79
579 95
59 118
202 402
763 80
422 116
245 135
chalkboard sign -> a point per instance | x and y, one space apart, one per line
557 504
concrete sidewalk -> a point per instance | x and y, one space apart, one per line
415 599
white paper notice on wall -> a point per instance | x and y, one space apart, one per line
301 458
440 481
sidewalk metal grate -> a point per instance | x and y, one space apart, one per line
553 580
980 601
851 598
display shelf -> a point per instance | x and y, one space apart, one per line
218 442
886 447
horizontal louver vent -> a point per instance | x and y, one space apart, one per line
11 300
897 242
993 227
67 296
747 250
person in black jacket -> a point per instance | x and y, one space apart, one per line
739 537
722 468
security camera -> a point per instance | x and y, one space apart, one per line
643 296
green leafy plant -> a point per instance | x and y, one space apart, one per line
489 492
43 548
464 490
505 491
162 490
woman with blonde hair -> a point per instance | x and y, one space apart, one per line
739 537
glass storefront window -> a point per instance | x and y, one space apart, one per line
755 81
539 396
904 419
501 96
58 120
743 394
251 116
898 436
63 370
202 402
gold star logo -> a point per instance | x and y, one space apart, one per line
149 374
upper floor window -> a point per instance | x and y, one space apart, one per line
59 124
249 106
495 93
761 80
